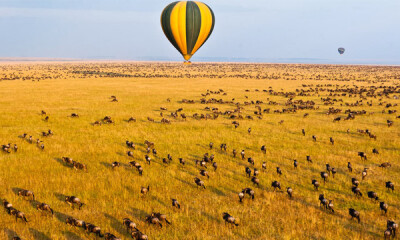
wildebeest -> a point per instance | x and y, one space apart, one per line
324 176
72 200
264 149
255 180
354 214
204 173
289 191
175 203
90 228
295 163
250 160
315 183
373 195
138 235
384 207
229 219
275 185
362 155
349 167
75 222
385 165
129 224
355 182
308 158
356 191
144 190
278 171
390 185
392 226
115 164
26 194
199 182
110 236
79 166
18 214
151 219
44 207
247 191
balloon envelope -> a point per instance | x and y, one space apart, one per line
187 25
341 50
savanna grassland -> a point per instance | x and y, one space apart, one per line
109 195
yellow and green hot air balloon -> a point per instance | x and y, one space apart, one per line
187 25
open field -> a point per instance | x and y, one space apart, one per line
142 89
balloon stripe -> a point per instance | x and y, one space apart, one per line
206 24
193 25
182 27
175 25
166 26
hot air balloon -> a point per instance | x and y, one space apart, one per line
187 25
341 50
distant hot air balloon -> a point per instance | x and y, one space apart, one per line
341 50
187 25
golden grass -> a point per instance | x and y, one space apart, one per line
111 195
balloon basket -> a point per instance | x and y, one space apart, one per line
187 62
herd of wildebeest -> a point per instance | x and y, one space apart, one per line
335 93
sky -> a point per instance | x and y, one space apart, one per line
245 30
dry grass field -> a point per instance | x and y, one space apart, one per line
142 89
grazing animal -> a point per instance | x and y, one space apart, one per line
303 132
175 203
308 158
247 191
18 214
355 182
373 195
356 191
295 164
333 171
75 222
215 166
250 160
138 235
129 224
392 226
264 149
199 182
323 201
211 145
144 190
385 165
182 161
375 151
204 173
362 155
229 219
68 160
390 185
275 185
79 166
255 180
324 176
278 171
384 207
153 220
354 214
349 167
110 236
90 228
115 164
314 138
161 217
255 172
26 194
289 191
234 153
364 173
331 140
129 153
248 171
147 158
316 184
330 206
242 154
44 207
264 165
72 200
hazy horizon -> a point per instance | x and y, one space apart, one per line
306 31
